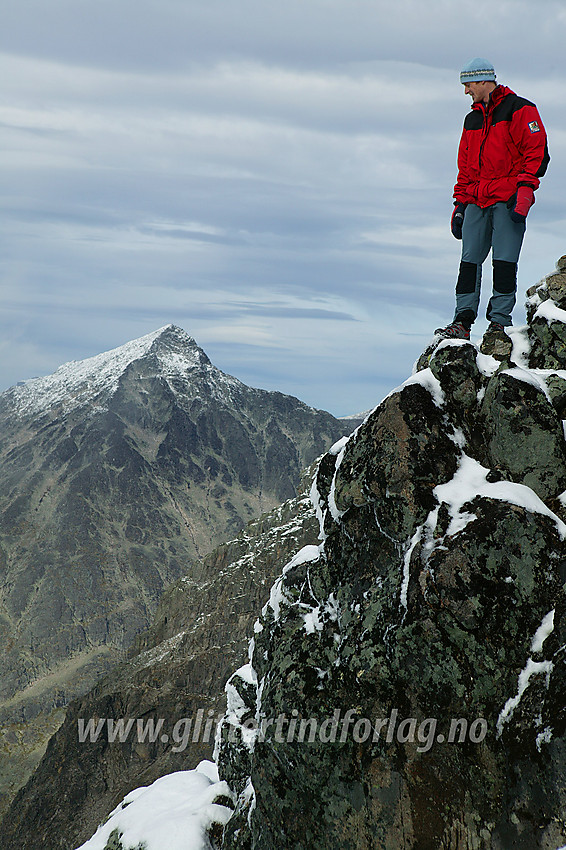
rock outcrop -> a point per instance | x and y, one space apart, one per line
407 680
117 475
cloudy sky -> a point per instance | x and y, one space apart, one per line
276 178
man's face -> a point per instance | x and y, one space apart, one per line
480 90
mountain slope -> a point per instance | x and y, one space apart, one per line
117 475
176 669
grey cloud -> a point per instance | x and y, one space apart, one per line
302 33
293 312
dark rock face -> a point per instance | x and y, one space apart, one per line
117 475
406 685
524 436
548 334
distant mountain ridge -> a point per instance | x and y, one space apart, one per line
117 475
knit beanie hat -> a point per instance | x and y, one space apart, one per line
477 70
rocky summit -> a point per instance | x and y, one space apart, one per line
406 683
117 475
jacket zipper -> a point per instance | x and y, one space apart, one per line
485 131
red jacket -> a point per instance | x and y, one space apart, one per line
503 146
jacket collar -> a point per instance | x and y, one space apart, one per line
497 95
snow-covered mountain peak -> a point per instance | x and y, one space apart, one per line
94 380
175 350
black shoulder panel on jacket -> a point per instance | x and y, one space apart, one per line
508 106
545 160
473 120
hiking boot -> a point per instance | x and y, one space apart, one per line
496 342
455 330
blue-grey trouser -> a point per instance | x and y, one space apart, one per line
485 229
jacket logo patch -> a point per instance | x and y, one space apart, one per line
534 127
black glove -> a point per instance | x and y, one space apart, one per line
457 220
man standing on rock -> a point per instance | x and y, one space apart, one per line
503 154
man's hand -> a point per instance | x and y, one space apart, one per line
521 203
457 220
